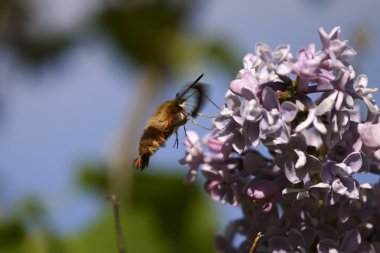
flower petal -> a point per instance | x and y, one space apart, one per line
327 246
338 187
327 103
270 100
354 161
370 135
288 111
351 242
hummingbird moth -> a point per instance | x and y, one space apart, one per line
166 120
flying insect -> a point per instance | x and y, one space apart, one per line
166 120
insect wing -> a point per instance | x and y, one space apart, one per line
194 99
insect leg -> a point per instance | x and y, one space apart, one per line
184 128
181 122
197 124
176 138
206 116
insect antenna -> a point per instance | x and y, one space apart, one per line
180 95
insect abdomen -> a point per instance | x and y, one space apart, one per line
151 140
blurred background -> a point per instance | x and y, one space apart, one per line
79 79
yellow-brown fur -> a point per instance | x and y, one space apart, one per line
167 118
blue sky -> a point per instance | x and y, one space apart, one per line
73 110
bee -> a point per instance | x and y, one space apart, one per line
168 117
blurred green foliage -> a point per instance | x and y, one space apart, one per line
28 230
161 210
154 34
11 233
158 35
146 32
161 215
181 213
16 32
92 177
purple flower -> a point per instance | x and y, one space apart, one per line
278 61
349 243
248 81
370 135
309 68
293 241
337 100
193 157
339 53
237 126
224 122
305 104
250 109
328 68
338 50
361 91
216 146
226 129
349 143
263 193
333 106
326 39
339 177
221 182
251 61
339 122
273 125
288 158
295 161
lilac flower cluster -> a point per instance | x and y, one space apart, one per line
303 111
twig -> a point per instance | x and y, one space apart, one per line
254 244
118 228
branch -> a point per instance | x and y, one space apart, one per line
118 228
254 244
